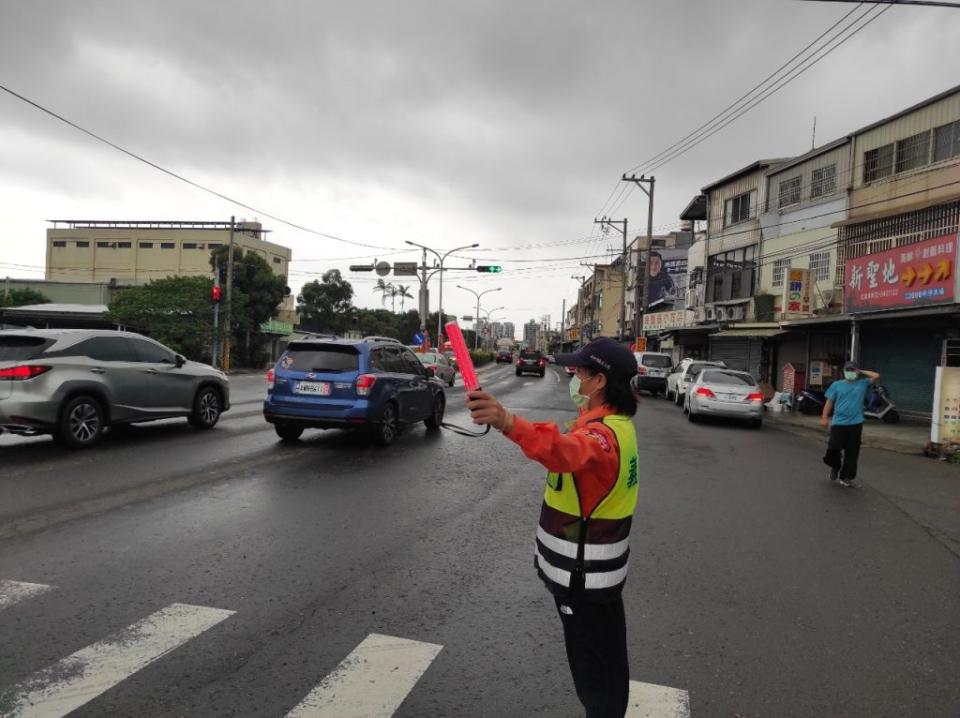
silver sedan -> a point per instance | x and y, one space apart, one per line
724 393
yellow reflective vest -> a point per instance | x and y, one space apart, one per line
587 556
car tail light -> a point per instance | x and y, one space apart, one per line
365 384
433 368
23 372
542 362
703 391
519 362
641 370
270 378
755 396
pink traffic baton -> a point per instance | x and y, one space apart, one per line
460 351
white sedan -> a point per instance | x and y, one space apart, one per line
724 393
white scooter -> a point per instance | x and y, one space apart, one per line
879 405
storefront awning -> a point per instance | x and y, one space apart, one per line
748 333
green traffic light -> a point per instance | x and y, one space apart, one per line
492 268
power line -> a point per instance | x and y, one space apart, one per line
181 178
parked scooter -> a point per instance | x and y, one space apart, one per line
879 405
811 401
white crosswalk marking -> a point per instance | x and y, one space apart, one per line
648 700
81 677
12 592
371 682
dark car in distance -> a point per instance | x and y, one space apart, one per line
531 362
504 357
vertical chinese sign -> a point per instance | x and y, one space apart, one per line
915 275
796 293
945 427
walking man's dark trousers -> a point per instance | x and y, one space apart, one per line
843 450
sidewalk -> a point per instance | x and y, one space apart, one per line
902 438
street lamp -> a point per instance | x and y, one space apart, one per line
476 334
442 258
490 319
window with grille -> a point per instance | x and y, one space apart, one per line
146 245
59 243
823 181
780 267
913 152
740 208
789 192
820 266
189 245
946 141
82 243
878 163
167 245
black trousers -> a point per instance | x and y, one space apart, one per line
595 635
843 450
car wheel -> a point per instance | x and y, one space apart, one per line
891 417
756 424
542 374
452 381
436 418
691 417
81 422
288 432
519 372
386 431
206 409
678 399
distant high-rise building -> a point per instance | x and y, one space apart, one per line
530 330
508 330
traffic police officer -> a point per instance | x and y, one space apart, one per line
582 546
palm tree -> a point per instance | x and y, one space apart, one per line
386 290
403 291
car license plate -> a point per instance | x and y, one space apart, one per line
318 388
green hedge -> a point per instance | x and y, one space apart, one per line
481 357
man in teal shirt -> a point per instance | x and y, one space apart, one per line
845 399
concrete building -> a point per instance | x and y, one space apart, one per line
125 253
530 331
508 331
599 299
134 253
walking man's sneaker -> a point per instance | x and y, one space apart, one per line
834 474
844 482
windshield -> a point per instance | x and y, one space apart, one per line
320 358
658 361
19 348
727 377
428 358
530 355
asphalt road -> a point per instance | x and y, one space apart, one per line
170 572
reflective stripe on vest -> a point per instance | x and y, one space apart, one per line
595 547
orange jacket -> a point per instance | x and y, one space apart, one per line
589 451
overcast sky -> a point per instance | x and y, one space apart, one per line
445 123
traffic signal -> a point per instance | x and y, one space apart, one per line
216 293
492 268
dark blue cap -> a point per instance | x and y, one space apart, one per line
606 355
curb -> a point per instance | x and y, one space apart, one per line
870 442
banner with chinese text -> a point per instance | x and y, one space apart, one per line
916 275
657 321
796 293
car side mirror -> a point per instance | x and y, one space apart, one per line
180 360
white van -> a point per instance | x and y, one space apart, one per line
652 371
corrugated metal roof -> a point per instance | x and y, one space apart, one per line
745 333
752 167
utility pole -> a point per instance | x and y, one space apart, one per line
563 323
228 319
607 222
216 316
642 286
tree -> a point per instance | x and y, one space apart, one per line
256 294
22 297
175 311
403 291
327 304
385 289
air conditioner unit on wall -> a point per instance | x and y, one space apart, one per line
735 313
720 314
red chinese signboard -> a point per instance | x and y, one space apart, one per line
912 276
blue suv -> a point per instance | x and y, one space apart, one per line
376 384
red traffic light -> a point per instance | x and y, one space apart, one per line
216 294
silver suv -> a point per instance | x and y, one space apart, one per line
73 383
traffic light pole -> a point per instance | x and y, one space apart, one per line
228 318
442 258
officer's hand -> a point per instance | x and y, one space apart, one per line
485 409
824 422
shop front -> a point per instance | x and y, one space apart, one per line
746 348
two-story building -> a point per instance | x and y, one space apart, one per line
733 250
806 197
599 302
898 246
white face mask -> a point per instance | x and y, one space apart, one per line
579 399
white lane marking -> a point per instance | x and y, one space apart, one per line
528 383
84 675
12 592
648 700
371 682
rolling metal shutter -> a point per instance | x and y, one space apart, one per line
738 353
907 361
